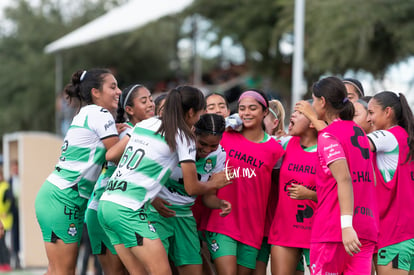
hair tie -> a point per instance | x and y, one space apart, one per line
345 100
273 113
128 94
256 96
82 76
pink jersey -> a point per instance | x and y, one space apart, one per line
271 207
344 139
251 169
201 213
292 223
394 197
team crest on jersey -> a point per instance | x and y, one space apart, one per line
72 230
208 166
214 246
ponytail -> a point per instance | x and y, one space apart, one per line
120 114
348 111
177 104
82 83
407 122
403 115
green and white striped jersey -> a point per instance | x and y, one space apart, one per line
174 191
100 185
146 165
83 152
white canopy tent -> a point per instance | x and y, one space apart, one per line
125 18
122 19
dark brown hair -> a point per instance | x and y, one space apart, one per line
177 104
334 92
403 115
82 82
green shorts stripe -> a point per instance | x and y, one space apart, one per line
304 259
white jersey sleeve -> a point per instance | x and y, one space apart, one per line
102 123
283 140
221 160
387 151
83 152
186 149
125 132
384 141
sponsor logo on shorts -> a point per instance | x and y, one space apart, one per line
72 230
382 253
314 271
151 228
214 246
313 268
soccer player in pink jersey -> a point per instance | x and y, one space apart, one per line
345 227
393 145
235 240
274 126
361 114
292 224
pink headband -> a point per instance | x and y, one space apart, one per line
254 95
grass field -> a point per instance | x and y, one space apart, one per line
25 272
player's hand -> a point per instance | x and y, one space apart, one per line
298 192
225 207
350 241
160 205
220 179
120 127
305 108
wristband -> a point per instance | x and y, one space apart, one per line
346 221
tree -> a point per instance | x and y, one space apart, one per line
252 25
356 35
27 73
340 35
27 100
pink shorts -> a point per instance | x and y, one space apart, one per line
331 258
